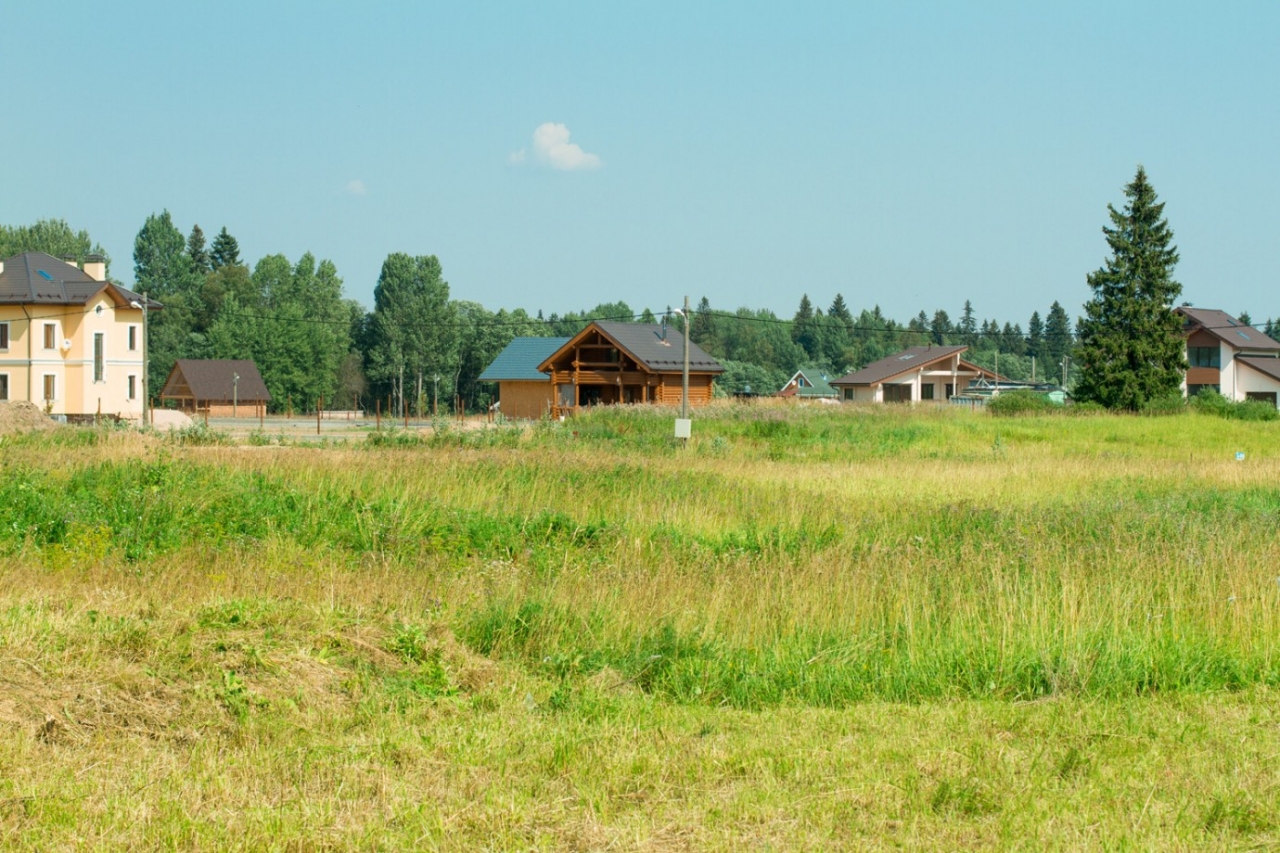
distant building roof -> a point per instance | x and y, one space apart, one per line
34 278
650 346
804 385
909 359
520 359
215 379
1226 328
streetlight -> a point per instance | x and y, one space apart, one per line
146 386
235 395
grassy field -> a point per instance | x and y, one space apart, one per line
810 629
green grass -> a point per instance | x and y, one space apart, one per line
812 628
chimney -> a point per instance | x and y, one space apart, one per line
69 260
95 266
1 266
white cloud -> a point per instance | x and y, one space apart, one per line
551 146
516 157
357 187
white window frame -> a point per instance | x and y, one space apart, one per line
4 387
46 380
133 337
132 387
4 336
47 327
99 357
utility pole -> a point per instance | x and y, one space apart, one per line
684 382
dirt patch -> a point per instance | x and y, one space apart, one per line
21 416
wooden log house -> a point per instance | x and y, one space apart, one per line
609 363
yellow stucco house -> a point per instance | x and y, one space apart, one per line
70 341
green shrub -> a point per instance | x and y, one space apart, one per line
1021 402
1212 403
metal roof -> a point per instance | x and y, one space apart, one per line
814 388
520 359
909 359
1267 365
647 344
214 379
34 278
1226 328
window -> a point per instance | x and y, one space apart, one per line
1193 390
4 386
98 357
4 336
926 392
1204 356
50 387
133 387
50 335
133 338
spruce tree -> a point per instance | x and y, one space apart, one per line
225 251
1057 336
1035 336
803 330
841 312
1131 349
196 250
968 326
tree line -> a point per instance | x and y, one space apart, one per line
419 349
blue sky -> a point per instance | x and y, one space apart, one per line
907 155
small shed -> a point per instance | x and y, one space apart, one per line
225 387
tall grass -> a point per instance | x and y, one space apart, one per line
786 557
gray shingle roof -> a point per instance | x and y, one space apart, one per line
520 360
1223 326
34 278
886 368
644 343
214 379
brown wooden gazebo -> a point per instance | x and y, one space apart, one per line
224 387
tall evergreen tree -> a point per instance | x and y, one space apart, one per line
197 252
1035 336
1057 337
841 312
803 330
703 330
1131 349
225 251
968 328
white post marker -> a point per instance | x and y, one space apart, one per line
684 428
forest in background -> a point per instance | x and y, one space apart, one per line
418 344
